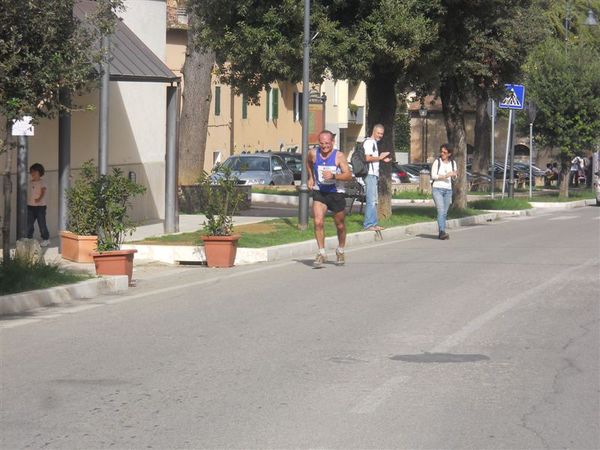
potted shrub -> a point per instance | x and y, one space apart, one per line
79 240
112 194
220 201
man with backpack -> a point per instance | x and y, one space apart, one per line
443 171
372 158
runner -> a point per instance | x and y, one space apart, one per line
327 170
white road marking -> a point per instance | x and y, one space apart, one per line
5 324
501 308
379 395
565 217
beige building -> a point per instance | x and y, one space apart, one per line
275 124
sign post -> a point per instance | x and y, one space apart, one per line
514 98
532 112
491 110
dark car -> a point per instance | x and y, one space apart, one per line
293 161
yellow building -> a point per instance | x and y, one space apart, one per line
275 124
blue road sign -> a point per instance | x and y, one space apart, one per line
514 97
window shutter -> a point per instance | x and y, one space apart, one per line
268 109
275 103
244 106
217 100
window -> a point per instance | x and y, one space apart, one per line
272 104
217 100
335 93
244 106
217 157
297 106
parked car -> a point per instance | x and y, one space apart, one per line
524 167
259 168
404 173
293 161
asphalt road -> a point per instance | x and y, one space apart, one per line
487 341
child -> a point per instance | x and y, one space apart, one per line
36 203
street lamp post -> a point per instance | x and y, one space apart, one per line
423 115
568 9
303 197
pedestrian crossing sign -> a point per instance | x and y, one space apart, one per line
514 98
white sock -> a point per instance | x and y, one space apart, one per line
322 251
340 250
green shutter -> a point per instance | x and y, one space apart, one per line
268 103
275 103
244 106
217 100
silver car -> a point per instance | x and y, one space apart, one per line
259 168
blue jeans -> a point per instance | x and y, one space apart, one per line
371 201
442 199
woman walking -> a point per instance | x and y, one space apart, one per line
443 171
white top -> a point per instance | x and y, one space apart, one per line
370 146
35 190
444 168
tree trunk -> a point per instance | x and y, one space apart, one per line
483 134
565 169
381 96
457 138
197 74
6 190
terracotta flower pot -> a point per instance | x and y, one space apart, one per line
220 250
115 262
77 248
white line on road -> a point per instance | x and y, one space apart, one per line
478 322
565 217
375 398
380 394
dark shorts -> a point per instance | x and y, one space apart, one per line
335 201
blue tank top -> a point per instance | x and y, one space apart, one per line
322 164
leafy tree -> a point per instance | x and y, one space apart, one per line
481 45
565 85
44 49
377 41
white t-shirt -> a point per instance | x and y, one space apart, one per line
35 190
444 168
370 146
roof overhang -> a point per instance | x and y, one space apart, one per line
130 58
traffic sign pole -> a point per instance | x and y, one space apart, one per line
510 119
492 114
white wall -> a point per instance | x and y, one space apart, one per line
137 127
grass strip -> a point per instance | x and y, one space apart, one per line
18 276
505 204
573 196
285 230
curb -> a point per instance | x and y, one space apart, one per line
173 254
25 301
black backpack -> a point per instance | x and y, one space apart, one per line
360 166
